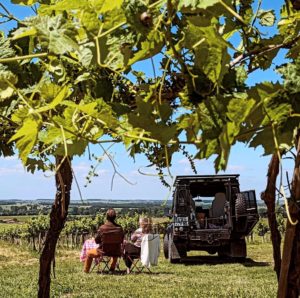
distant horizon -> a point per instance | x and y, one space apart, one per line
259 200
78 200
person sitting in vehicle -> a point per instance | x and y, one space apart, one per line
201 220
110 227
133 249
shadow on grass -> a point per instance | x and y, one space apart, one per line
215 260
123 272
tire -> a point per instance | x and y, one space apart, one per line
224 252
182 252
171 260
240 214
240 206
166 246
212 251
238 249
174 261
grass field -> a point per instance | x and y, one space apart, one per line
19 218
5 226
198 277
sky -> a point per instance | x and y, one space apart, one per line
16 183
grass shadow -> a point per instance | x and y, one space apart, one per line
123 272
215 260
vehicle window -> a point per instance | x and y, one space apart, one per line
204 202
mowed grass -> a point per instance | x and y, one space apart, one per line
199 277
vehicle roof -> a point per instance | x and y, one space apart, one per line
198 178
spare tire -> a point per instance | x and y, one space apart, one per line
240 206
240 214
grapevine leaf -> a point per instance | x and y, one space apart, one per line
193 4
24 2
239 108
24 32
33 164
88 109
211 55
266 17
54 33
89 20
109 5
148 48
226 139
62 5
26 138
74 147
5 49
63 94
6 78
265 138
277 110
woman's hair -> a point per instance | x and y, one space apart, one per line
146 225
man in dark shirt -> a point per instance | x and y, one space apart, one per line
109 237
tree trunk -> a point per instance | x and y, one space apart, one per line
289 283
58 215
269 197
33 243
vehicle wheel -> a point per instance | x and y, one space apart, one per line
224 252
166 246
172 260
182 252
211 252
238 249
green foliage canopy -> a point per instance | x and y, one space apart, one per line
68 79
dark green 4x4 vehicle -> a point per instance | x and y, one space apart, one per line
210 213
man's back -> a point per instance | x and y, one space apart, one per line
110 237
110 227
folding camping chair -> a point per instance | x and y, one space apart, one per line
148 255
133 255
111 247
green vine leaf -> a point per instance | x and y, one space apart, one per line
7 78
24 2
26 138
62 95
266 17
149 47
194 4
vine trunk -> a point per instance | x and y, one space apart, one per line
58 215
269 197
289 282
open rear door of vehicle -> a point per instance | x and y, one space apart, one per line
251 209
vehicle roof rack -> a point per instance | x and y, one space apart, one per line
199 178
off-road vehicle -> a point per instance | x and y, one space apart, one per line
209 213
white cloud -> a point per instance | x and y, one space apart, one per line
15 169
236 168
14 157
183 161
81 167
